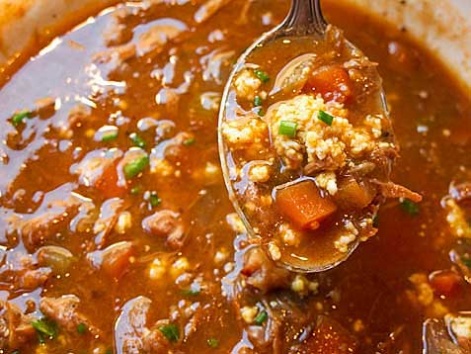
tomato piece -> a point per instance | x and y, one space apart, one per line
107 183
303 204
115 259
331 82
445 282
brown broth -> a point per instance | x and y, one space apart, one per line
367 293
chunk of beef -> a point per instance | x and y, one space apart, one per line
15 326
328 337
64 311
22 273
168 224
57 209
436 339
154 341
262 273
130 326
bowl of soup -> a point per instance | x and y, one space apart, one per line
117 234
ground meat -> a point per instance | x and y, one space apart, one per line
64 311
166 223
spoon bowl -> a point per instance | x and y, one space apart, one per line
296 42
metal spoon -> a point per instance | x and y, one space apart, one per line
304 27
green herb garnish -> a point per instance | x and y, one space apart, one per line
137 140
154 200
466 261
109 136
410 207
170 332
257 101
325 117
262 75
82 328
20 117
261 318
288 128
45 327
189 141
376 221
133 168
194 290
136 190
213 342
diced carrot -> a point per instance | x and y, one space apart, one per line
331 82
329 337
303 204
445 282
116 258
107 184
353 195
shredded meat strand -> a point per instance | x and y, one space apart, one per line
393 190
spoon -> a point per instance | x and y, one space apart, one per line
291 50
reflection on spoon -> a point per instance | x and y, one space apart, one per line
306 143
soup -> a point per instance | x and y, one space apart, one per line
116 230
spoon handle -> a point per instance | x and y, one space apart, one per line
305 17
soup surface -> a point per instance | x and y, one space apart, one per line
116 231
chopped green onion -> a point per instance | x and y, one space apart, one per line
325 117
170 332
109 136
261 112
376 221
19 118
137 140
154 200
262 75
288 128
194 290
261 318
410 207
133 168
45 327
466 261
82 328
257 101
189 141
136 190
213 342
